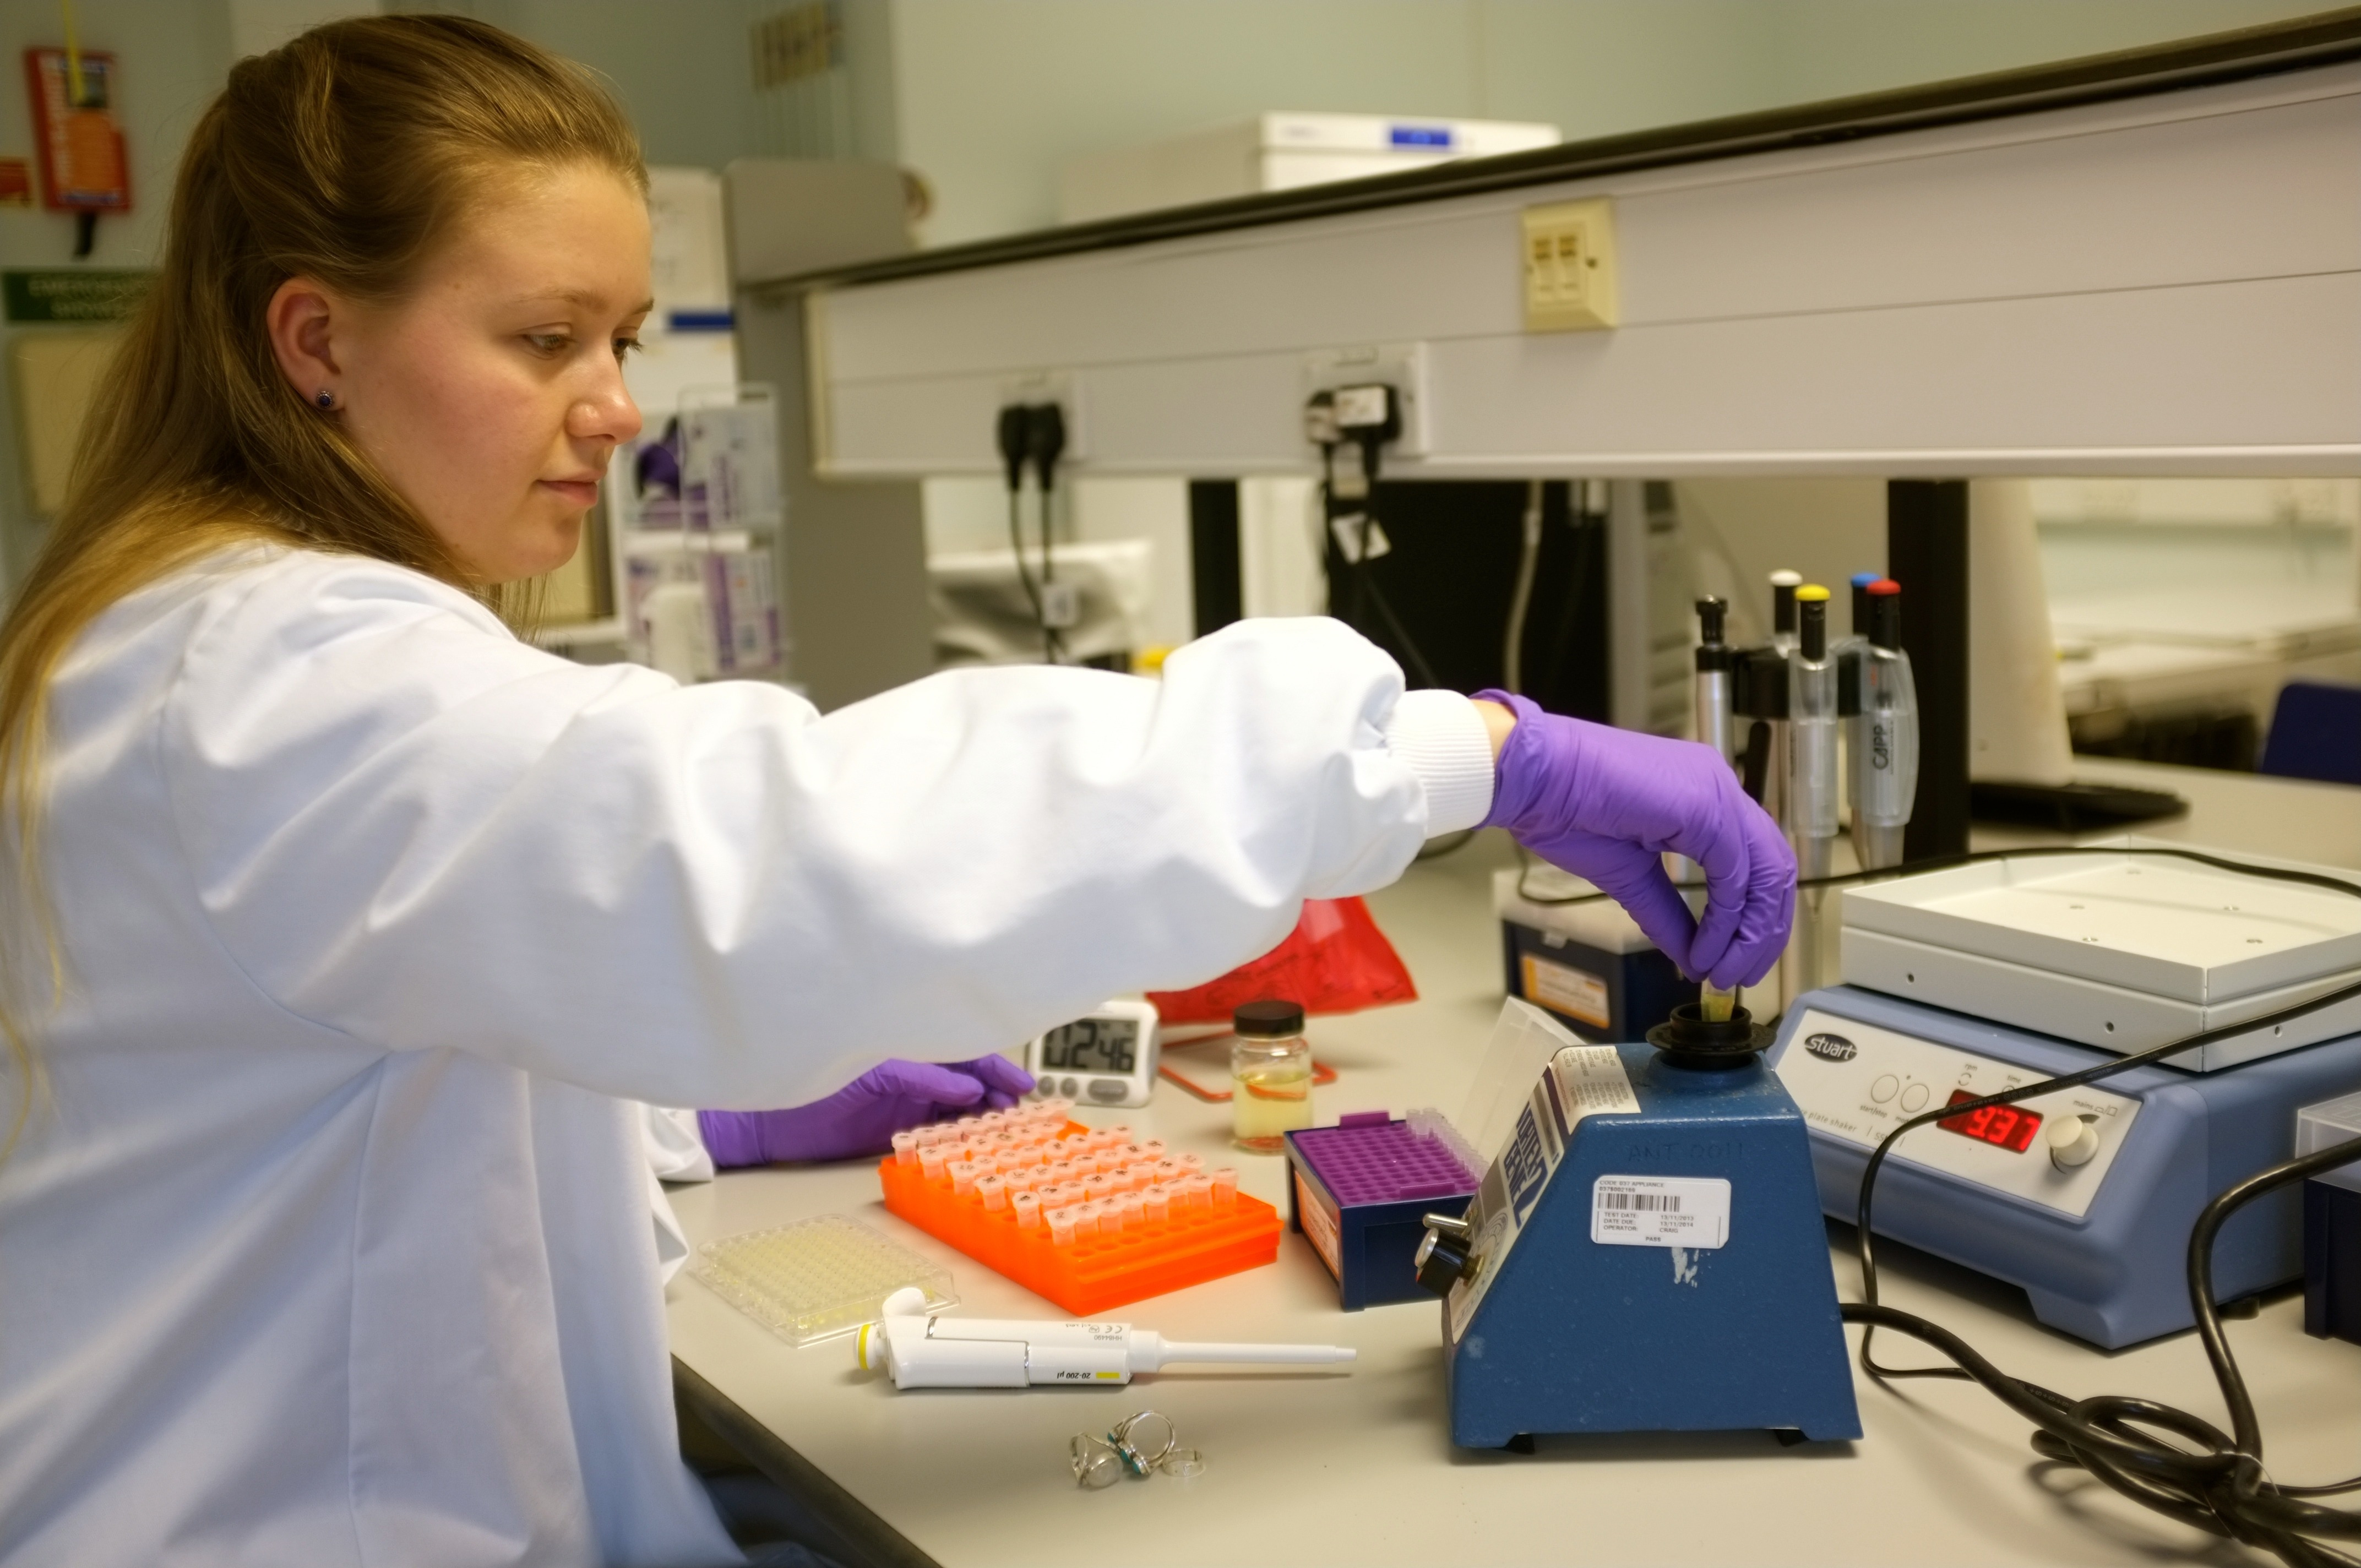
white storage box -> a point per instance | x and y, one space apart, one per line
1277 152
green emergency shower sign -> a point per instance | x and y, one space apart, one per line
76 295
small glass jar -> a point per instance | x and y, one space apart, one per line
1270 1076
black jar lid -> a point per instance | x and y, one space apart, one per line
1271 1020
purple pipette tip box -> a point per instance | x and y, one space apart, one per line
1359 1193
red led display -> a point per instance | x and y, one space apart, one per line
2007 1128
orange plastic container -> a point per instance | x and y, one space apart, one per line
1086 1276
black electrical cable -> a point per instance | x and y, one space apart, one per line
1013 433
1024 576
1045 445
1443 844
2211 1480
1365 584
1974 857
1360 585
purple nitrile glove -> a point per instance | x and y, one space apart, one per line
1605 802
863 1117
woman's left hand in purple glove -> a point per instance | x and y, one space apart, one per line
863 1117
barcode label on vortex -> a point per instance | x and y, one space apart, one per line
1652 1210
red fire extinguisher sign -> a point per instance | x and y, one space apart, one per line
82 166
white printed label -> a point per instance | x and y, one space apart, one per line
1564 989
1647 1210
1590 1081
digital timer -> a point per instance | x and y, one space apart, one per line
1107 1057
2009 1127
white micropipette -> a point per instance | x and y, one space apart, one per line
1008 1352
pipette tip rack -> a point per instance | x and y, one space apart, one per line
1361 1189
1089 1220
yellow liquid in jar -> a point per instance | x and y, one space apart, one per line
1267 1101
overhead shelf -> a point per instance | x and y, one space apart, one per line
2148 263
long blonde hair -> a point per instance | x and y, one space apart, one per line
344 157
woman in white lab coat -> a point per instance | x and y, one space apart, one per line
346 928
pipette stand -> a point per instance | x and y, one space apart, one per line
1548 1329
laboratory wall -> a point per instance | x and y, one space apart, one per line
170 57
991 99
680 68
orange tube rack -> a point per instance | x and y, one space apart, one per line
1088 1274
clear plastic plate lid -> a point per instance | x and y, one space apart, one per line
817 1278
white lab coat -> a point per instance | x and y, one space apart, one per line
329 1242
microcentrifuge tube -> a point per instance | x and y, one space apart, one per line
1194 1164
994 1191
1168 1169
1155 1205
1714 1003
1198 1194
906 1148
1225 1187
1086 1222
1098 1186
1028 1212
1121 1133
1153 1148
930 1161
1135 1211
1062 1227
963 1176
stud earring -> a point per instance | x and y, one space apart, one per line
325 399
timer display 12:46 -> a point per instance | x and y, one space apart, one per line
2007 1128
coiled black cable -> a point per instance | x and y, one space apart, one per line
2208 1479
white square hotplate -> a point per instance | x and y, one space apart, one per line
2121 952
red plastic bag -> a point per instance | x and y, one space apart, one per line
1336 961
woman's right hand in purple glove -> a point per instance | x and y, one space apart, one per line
1606 804
863 1117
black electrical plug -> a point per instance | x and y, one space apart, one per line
1369 416
1368 413
1320 422
1013 435
1045 442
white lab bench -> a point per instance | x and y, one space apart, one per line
1352 1465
